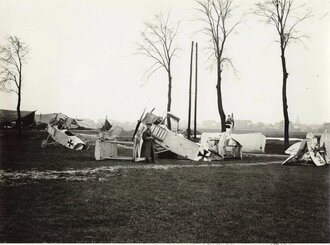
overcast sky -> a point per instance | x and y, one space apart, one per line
82 62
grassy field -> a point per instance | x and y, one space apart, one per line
58 195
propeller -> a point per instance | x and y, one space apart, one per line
138 124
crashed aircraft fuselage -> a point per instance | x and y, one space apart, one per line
58 130
315 149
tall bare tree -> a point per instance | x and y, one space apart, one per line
219 25
285 17
158 44
12 57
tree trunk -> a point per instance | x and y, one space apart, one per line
169 98
219 94
19 118
284 100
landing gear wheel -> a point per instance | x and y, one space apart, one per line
43 143
87 145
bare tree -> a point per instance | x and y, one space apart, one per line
12 57
217 16
285 17
157 44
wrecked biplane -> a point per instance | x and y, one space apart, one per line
222 144
230 145
58 131
107 145
172 140
314 149
165 139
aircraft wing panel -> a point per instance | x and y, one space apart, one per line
293 149
252 143
325 141
178 144
313 151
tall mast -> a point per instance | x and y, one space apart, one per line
189 112
195 116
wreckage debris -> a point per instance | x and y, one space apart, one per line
314 149
213 146
223 146
58 131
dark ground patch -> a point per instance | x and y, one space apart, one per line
233 203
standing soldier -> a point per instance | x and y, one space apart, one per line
148 146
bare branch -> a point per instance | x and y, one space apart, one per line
229 61
12 57
285 17
157 43
216 15
149 72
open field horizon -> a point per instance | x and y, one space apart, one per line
129 132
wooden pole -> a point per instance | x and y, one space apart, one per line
190 78
195 116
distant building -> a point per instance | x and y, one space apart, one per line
243 123
211 124
280 125
44 118
326 127
8 118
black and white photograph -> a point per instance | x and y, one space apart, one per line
164 121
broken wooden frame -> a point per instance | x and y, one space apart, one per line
115 150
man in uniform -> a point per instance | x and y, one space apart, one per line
148 146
